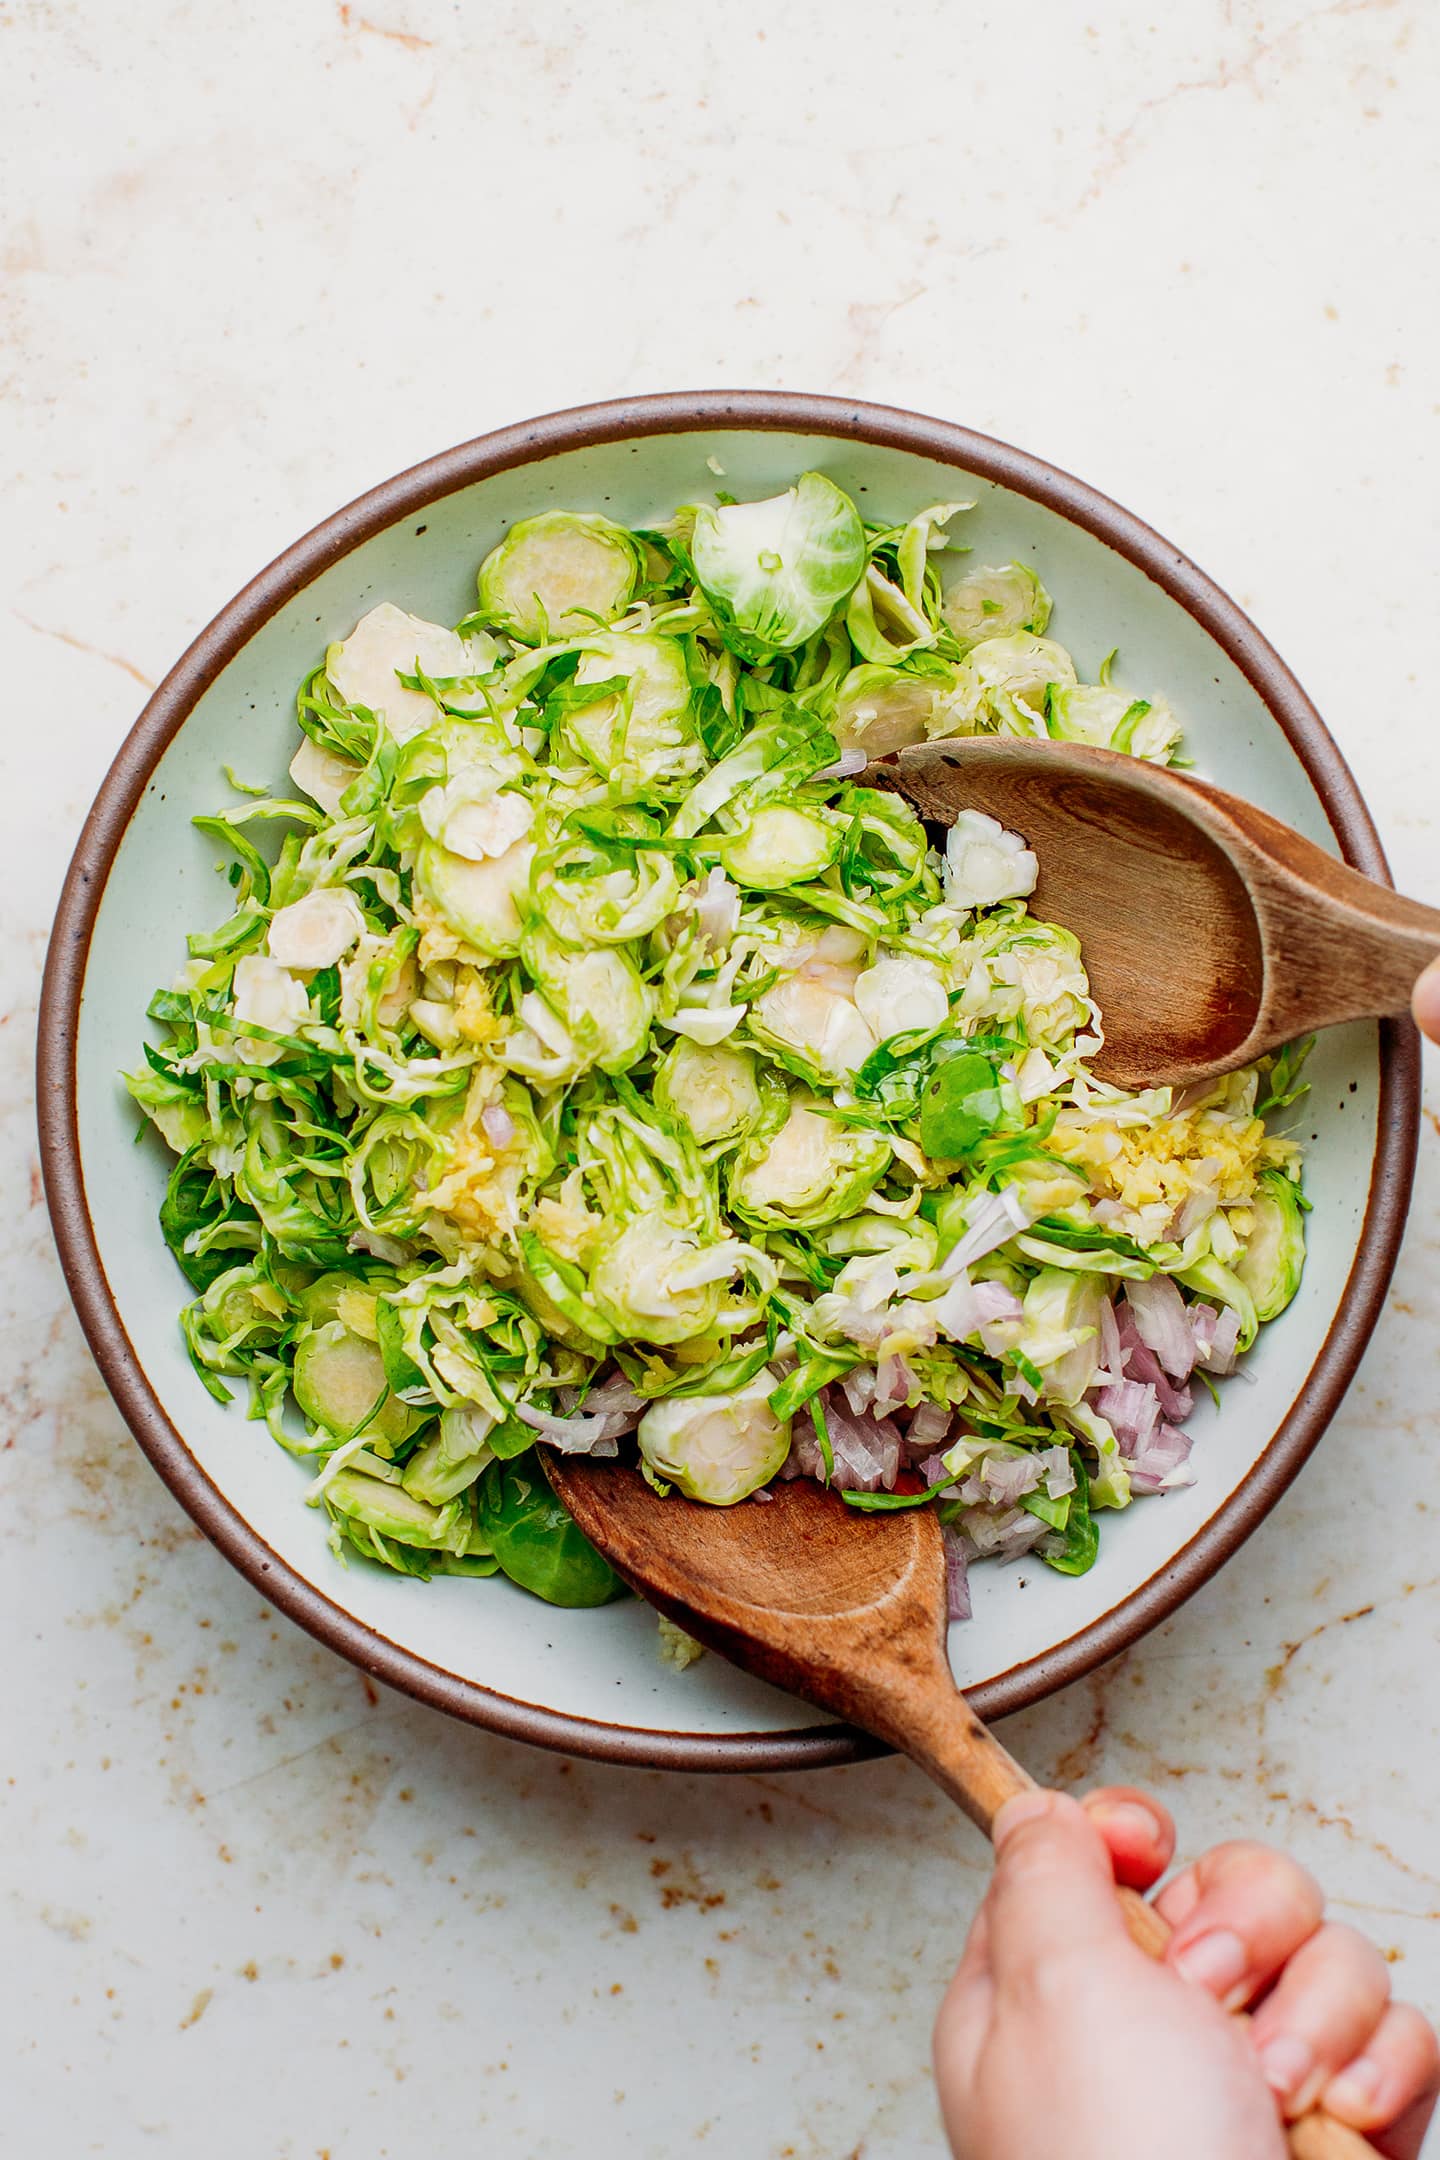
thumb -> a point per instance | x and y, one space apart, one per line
1426 1002
1053 1893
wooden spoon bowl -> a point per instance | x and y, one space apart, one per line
1210 931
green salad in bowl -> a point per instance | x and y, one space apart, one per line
600 1054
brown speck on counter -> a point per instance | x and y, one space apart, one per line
197 2008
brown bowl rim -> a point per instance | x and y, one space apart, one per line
580 427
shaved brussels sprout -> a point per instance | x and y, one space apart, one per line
316 931
657 1282
1273 1258
883 622
393 1511
1061 1331
177 1113
1212 1279
995 603
1004 682
604 1005
384 645
984 863
1095 713
779 847
822 1026
591 898
322 775
432 1476
813 1170
642 731
556 575
477 900
340 1384
883 709
775 571
716 1448
901 995
712 1088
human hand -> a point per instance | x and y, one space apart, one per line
1426 1002
1058 2034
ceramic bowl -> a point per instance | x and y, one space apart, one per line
591 1682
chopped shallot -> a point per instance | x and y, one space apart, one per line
1217 1332
957 1573
1163 1465
498 1123
1163 1324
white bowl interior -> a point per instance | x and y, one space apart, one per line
603 1665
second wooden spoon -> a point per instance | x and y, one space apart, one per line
848 1610
1210 931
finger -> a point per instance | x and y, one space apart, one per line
975 1957
1238 1914
1426 1002
1319 2015
1138 1831
1052 1899
962 2023
1390 2088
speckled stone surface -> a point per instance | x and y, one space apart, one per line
254 1908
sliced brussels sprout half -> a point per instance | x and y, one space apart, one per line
599 996
812 1171
431 1475
776 571
1004 682
883 709
394 1512
1113 719
659 1282
1060 1334
822 1028
479 901
557 575
712 1088
592 899
340 1384
1273 1258
781 846
716 1448
643 731
384 645
995 603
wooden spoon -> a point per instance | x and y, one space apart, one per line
1210 931
848 1611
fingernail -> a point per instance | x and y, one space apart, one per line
1129 1816
1356 2089
1287 2061
1218 1961
1022 1808
1427 1002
